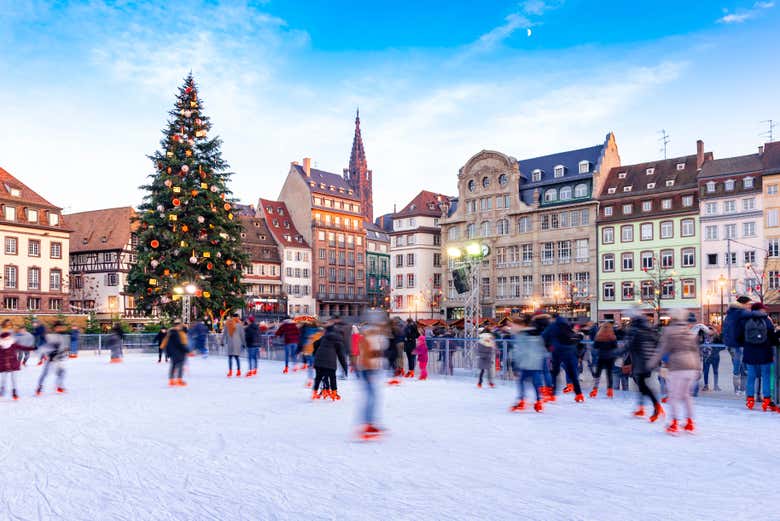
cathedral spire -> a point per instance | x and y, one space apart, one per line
357 160
358 175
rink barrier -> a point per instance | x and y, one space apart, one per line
449 357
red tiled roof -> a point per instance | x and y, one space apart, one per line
100 230
257 240
425 203
279 222
28 196
320 182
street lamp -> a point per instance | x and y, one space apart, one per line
185 293
721 284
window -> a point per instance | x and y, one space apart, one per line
33 303
729 185
688 257
611 190
627 233
399 281
687 201
666 204
608 262
729 206
648 260
650 186
667 290
410 259
711 233
627 261
11 245
749 229
471 230
667 229
485 182
536 176
550 195
584 167
667 259
54 219
548 281
582 253
646 231
608 235
608 211
471 185
11 277
523 225
647 289
399 261
9 213
687 228
712 259
471 206
484 229
730 231
502 227
581 190
112 279
548 252
453 233
750 256
34 279
747 182
564 252
503 180
11 302
410 280
528 285
670 182
771 189
647 206
627 290
565 193
710 208
55 250
749 204
558 171
436 260
650 171
33 248
622 175
627 188
608 291
688 288
773 249
772 217
527 253
628 209
710 186
55 304
32 216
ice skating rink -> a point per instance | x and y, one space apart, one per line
121 445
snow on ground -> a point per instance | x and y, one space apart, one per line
122 445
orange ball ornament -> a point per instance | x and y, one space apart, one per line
227 207
176 201
154 243
185 228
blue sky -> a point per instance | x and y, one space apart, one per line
85 86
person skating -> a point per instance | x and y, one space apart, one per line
310 335
291 336
733 338
394 352
10 362
678 343
410 343
39 332
560 336
421 352
486 356
252 334
528 357
198 336
176 348
114 343
75 333
605 349
759 341
641 347
326 360
56 352
354 347
158 339
372 346
234 340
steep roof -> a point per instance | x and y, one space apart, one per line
100 230
425 203
771 157
281 226
732 165
385 222
26 195
258 242
320 181
570 160
633 180
375 233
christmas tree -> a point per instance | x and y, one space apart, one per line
189 240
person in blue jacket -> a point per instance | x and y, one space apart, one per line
732 333
561 337
759 341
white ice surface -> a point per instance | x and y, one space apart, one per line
122 445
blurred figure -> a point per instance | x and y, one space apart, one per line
410 343
641 348
176 349
199 333
564 342
234 340
10 363
605 349
159 341
310 335
326 359
760 339
395 351
39 332
114 343
486 356
354 347
528 356
56 352
75 333
252 334
421 352
372 347
680 343
290 335
732 335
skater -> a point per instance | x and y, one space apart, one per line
290 335
252 334
732 336
234 340
373 345
354 348
9 359
410 343
176 349
710 358
421 352
395 351
75 333
39 332
486 356
679 342
310 336
641 348
56 352
528 357
326 359
605 349
199 333
759 341
158 339
114 343
564 352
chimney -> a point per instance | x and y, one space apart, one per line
699 154
307 166
760 149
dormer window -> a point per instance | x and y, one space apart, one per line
747 182
322 186
650 186
32 216
670 182
680 166
9 213
622 175
536 176
15 192
611 190
710 187
271 210
581 190
584 167
650 171
559 170
341 190
332 188
565 193
551 195
627 188
54 219
729 185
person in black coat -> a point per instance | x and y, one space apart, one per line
327 356
410 343
641 344
252 336
158 339
176 347
759 342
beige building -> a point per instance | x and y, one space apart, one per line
35 251
537 216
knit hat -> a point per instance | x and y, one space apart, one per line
743 299
486 339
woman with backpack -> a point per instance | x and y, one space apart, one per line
605 348
758 355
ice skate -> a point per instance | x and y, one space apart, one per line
750 402
640 411
568 389
394 381
768 405
334 395
369 432
491 385
286 370
706 388
238 372
479 386
610 393
658 411
315 395
325 394
172 382
672 428
39 391
689 426
230 373
181 383
538 407
579 398
664 399
14 394
717 389
60 390
410 374
423 377
519 406
594 392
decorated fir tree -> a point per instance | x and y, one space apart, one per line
188 234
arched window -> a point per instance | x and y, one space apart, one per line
536 176
471 185
551 195
565 193
581 190
484 229
471 231
502 227
453 233
503 179
485 182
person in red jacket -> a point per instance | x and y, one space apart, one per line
290 335
9 361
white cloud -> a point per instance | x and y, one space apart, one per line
742 15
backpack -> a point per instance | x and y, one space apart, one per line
755 331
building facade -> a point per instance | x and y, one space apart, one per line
263 275
377 267
35 251
295 254
649 243
770 162
102 251
537 217
416 257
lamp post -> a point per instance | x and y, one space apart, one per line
185 293
721 285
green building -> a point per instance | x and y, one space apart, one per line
377 267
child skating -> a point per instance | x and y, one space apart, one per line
486 356
56 351
9 361
421 350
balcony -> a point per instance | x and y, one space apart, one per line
338 297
